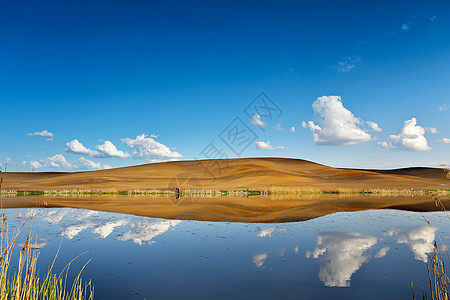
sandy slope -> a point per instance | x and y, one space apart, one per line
253 173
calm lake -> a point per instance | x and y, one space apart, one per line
373 254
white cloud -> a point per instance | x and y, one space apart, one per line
410 137
110 150
89 164
43 133
340 254
338 126
433 18
259 259
279 127
292 129
267 146
348 64
418 239
257 120
107 149
147 148
147 229
444 141
406 26
76 147
58 161
107 167
431 130
264 232
35 164
374 126
443 107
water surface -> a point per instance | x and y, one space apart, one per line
372 254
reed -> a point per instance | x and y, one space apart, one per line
25 283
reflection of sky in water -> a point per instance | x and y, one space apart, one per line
341 254
419 240
373 252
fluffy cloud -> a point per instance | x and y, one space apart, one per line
108 149
406 26
341 254
147 148
410 137
444 141
348 64
337 125
266 146
60 162
374 126
76 147
257 120
43 133
89 164
292 129
418 239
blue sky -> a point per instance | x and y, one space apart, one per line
89 84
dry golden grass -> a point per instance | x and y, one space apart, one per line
236 174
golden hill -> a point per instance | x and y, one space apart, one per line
252 173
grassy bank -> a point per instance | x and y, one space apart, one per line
274 190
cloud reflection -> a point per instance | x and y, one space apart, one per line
259 259
106 229
264 232
73 230
418 239
145 230
340 254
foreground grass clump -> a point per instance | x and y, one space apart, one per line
25 283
